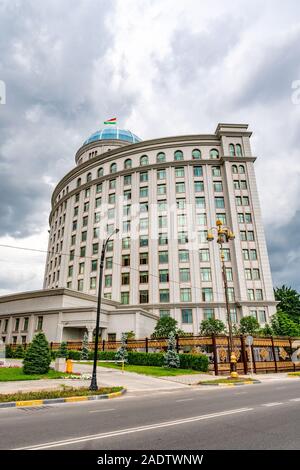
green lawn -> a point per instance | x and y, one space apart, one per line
64 393
8 374
294 374
225 381
148 370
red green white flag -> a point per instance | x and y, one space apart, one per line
111 121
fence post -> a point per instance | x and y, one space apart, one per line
253 358
274 355
51 345
146 344
214 344
177 344
290 341
103 345
244 355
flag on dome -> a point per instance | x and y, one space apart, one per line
111 121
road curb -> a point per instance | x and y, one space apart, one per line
49 401
246 382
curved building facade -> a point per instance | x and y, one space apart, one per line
163 195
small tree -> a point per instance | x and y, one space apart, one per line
37 357
63 350
283 325
130 334
122 354
266 330
165 326
212 326
19 352
84 355
249 325
171 358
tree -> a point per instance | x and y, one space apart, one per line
37 357
19 352
283 325
63 350
249 325
122 354
266 330
289 301
165 326
84 355
212 326
130 334
171 358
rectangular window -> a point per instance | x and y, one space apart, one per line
96 232
84 236
77 197
221 217
238 200
164 313
81 268
93 281
86 206
198 171
183 256
96 217
144 191
163 239
243 236
144 277
85 221
236 184
205 274
143 207
185 294
124 298
208 313
111 213
253 254
245 200
262 316
161 189
204 254
99 188
144 176
143 258
250 294
144 223
258 294
187 315
144 241
161 174
125 279
184 275
26 323
126 226
112 184
127 180
98 202
219 202
218 187
200 202
144 296
243 184
250 236
127 210
180 204
82 251
127 195
207 294
72 254
162 221
94 265
17 324
70 271
229 275
179 172
248 218
180 188
162 206
248 274
164 295
110 245
255 274
125 260
241 218
95 248
126 243
75 211
163 257
181 220
87 192
230 292
74 226
246 254
198 186
201 219
182 238
40 323
108 280
108 263
202 236
216 171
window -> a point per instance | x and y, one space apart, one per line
207 294
250 294
108 280
164 313
182 238
94 265
125 260
85 221
200 202
230 293
144 241
183 256
179 172
126 226
216 171
127 180
229 275
77 197
110 245
246 254
196 154
93 282
198 171
95 248
125 279
126 210
82 251
239 150
164 295
253 254
143 176
144 296
231 150
163 239
86 206
241 218
245 200
108 263
214 153
208 313
81 268
163 257
112 198
144 277
184 275
243 235
87 192
162 221
180 204
198 186
248 274
161 174
201 219
243 184
178 155
110 213
160 157
241 169
162 189
180 187
126 243
181 220
124 298
75 211
100 172
258 294
128 163
144 160
98 202
70 271
74 225
143 258
221 217
40 323
185 294
113 168
204 254
144 223
205 274
127 195
96 232
99 188
187 315
236 184
111 337
255 274
234 169
218 187
17 324
233 315
144 191
78 182
89 177
250 235
219 202
248 218
262 316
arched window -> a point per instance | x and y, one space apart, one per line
89 177
160 157
241 169
231 150
113 168
214 153
78 182
178 155
196 154
128 163
100 172
234 169
144 160
238 150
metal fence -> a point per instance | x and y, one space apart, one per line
269 354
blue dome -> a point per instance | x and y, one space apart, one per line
114 133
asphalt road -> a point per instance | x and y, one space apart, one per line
264 416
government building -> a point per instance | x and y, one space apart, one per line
163 195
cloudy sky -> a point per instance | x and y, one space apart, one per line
163 67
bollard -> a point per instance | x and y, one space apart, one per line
69 366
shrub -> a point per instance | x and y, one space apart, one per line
73 354
9 352
63 350
194 361
84 355
211 326
19 352
171 358
37 358
122 354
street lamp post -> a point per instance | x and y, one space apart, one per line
224 235
94 385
